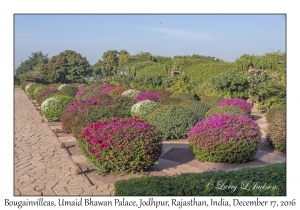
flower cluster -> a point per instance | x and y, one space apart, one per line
120 145
61 86
227 138
77 106
107 88
146 95
237 102
80 93
131 93
144 108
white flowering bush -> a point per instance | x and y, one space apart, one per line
53 107
28 86
61 86
143 108
131 93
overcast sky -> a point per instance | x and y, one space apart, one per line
223 36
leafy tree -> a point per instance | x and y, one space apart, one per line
109 63
123 61
31 64
142 56
66 67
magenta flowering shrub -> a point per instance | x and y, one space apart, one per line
146 95
80 93
77 106
237 102
227 138
46 92
121 145
107 88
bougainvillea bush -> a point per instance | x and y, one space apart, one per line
77 106
225 110
272 112
143 108
121 106
146 95
182 96
107 88
47 94
120 145
103 98
53 107
88 95
80 93
198 108
173 120
69 90
116 92
131 93
211 101
276 131
227 138
237 102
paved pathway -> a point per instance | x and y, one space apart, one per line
43 167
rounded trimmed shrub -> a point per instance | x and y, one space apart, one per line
38 91
61 86
173 120
225 110
120 145
69 90
198 108
121 106
116 92
80 93
98 88
31 88
272 112
75 84
143 108
163 94
103 98
53 107
211 101
169 101
183 96
276 131
88 95
226 138
237 102
54 85
47 94
23 85
77 106
107 88
131 93
28 86
146 96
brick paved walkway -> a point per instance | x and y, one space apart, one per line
41 166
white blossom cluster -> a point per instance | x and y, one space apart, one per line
48 103
144 108
28 86
131 93
61 86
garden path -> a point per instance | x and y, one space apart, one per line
48 161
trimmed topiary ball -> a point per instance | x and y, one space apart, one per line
146 96
121 106
143 108
80 93
121 145
169 101
131 93
163 94
211 101
272 112
198 108
173 120
183 96
69 90
61 86
53 107
227 138
107 88
225 110
88 95
103 98
237 102
276 131
47 94
116 92
38 91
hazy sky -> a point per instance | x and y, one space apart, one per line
223 36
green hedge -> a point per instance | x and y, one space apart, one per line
207 183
